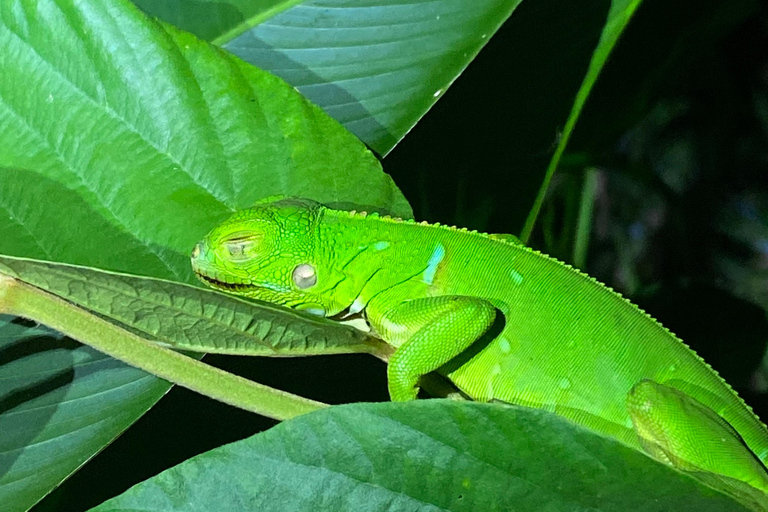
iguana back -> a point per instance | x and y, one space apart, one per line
569 344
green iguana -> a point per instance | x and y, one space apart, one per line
500 320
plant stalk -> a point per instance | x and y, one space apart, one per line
24 300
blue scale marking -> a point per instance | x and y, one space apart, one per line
434 260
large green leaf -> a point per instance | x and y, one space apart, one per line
379 66
429 455
60 403
189 318
375 66
209 19
121 143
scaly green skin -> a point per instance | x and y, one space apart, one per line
502 321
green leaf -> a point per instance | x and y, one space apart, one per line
156 134
375 66
122 141
21 299
191 318
208 19
426 455
60 403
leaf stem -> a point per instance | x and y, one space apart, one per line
619 15
584 223
21 299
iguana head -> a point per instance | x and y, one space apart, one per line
268 253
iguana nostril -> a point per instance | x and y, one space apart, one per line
197 250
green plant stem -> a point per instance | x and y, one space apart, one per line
584 223
525 234
619 15
21 299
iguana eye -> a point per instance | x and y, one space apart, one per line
237 249
238 246
304 276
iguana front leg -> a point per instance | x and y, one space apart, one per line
433 330
674 427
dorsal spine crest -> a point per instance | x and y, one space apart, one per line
437 225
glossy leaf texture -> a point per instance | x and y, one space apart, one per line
422 456
375 66
122 141
378 66
190 318
60 403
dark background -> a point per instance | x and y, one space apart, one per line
676 134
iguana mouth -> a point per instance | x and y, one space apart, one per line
222 285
